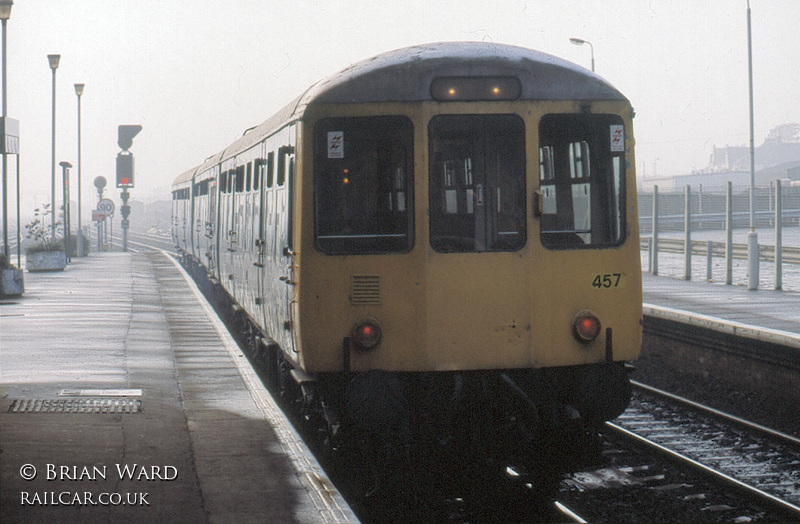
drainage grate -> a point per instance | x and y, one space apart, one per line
77 405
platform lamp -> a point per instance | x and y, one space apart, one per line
752 235
79 92
53 59
5 14
578 41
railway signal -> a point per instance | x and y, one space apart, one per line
125 135
125 171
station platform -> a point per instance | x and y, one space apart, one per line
124 399
762 314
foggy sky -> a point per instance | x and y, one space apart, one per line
197 73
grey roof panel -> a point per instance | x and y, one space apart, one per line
406 74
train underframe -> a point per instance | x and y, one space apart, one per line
412 433
487 436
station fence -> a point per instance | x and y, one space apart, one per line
724 210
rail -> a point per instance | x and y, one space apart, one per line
760 464
790 255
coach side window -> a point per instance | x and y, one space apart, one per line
363 183
477 183
582 180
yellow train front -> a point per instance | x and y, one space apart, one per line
453 250
466 213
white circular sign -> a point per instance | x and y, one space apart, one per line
106 207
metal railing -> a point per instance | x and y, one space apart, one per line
694 210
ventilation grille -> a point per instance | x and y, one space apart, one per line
80 405
365 291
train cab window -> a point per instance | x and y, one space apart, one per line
582 180
363 183
477 183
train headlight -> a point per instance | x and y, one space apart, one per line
366 334
586 326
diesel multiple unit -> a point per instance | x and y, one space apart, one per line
438 245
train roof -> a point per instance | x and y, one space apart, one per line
185 178
405 75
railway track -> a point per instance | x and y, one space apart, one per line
747 456
140 242
790 255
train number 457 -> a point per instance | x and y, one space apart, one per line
608 280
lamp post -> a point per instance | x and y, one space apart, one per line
5 14
578 41
53 59
752 236
79 92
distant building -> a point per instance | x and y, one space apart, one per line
778 158
787 171
725 158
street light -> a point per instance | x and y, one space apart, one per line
578 41
79 92
53 59
752 236
5 14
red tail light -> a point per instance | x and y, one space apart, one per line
366 334
586 326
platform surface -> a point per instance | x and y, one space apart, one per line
122 399
764 308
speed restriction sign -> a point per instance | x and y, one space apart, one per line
106 207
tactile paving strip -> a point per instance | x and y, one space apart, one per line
78 405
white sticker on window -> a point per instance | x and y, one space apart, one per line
617 139
335 144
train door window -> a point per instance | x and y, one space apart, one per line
281 179
240 178
581 174
270 169
287 154
212 208
477 183
233 232
248 185
363 184
258 173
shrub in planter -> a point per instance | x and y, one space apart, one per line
46 260
47 251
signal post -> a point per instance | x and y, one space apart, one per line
98 215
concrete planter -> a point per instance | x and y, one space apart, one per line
12 283
46 261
